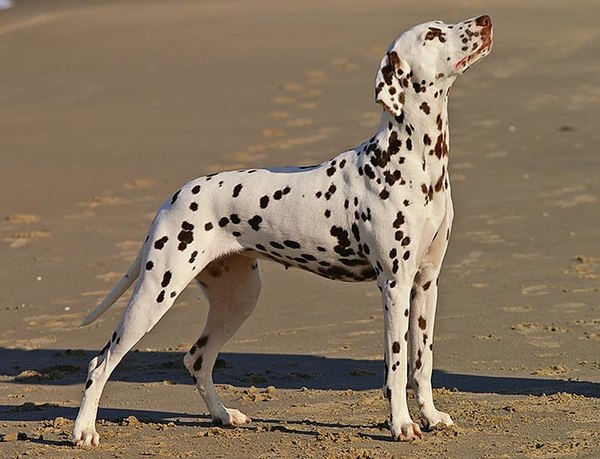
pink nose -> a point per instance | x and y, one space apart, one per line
483 21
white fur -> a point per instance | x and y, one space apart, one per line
381 211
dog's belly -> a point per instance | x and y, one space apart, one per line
350 269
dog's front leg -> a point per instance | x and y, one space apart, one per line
396 304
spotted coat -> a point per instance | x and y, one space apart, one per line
381 211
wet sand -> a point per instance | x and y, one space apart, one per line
108 107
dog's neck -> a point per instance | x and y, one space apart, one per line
420 134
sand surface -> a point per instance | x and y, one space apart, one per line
108 107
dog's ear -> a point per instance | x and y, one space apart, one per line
389 91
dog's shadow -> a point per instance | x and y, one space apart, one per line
46 367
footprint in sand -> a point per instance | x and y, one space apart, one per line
517 309
98 201
139 184
484 237
528 328
271 133
283 100
22 238
308 105
569 307
313 93
291 87
22 219
80 216
299 122
574 201
538 289
280 115
496 155
248 155
585 267
341 63
53 322
316 77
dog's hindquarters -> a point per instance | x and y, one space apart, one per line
168 261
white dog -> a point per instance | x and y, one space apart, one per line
379 212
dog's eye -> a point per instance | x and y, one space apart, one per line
430 35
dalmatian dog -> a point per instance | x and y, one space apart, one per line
379 212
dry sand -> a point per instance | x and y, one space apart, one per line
107 107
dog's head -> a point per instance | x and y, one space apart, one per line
430 55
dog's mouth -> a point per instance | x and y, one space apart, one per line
480 52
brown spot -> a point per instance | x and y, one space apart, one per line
440 181
388 394
198 363
434 33
422 323
399 220
202 341
166 279
264 202
396 347
160 243
439 122
394 60
237 189
255 222
215 271
425 107
426 285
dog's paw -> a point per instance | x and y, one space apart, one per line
432 417
408 431
231 417
85 436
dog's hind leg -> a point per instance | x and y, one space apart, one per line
166 270
232 285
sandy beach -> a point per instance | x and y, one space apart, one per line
107 107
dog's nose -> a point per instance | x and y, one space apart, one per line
483 21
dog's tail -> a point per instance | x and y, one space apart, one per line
130 276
